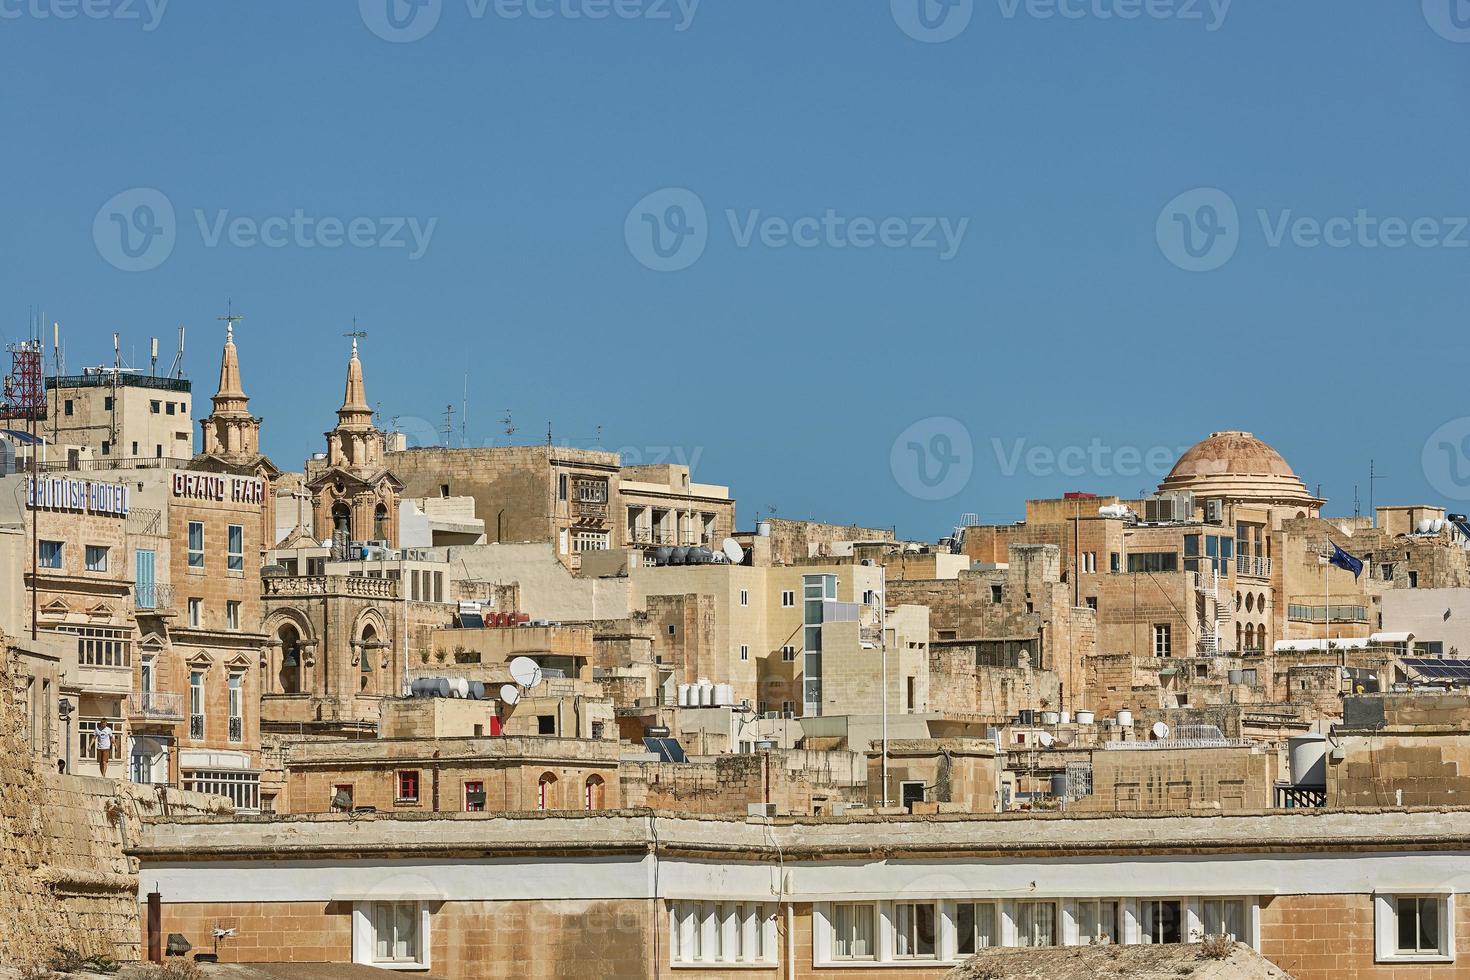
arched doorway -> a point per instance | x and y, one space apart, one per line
546 792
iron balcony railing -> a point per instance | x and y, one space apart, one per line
1300 797
1253 567
154 598
156 706
237 729
106 379
196 726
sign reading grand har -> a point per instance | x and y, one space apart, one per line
78 496
208 486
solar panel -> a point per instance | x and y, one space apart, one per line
1452 670
667 749
471 620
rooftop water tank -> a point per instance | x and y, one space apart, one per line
1125 719
1307 758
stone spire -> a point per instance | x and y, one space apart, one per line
230 431
355 411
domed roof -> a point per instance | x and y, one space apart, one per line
1224 453
1237 466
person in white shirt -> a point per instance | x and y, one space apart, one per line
104 747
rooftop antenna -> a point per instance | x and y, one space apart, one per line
177 371
116 374
1373 477
60 370
448 426
464 411
548 432
510 426
153 360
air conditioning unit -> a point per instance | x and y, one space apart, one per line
1214 511
765 810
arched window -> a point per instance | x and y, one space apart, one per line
546 792
291 666
380 523
596 793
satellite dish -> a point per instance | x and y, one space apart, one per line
525 672
510 694
1045 739
1160 730
733 551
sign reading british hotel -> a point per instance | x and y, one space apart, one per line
209 486
78 497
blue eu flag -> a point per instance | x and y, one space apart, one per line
1346 561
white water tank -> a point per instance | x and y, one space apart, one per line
1125 719
1307 758
1051 718
684 690
460 686
763 529
1066 717
1084 717
724 694
706 693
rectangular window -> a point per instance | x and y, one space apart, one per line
154 406
51 554
745 597
396 938
788 653
235 548
720 932
474 797
96 558
1036 924
1418 932
342 798
237 707
170 408
744 652
69 407
232 614
852 932
406 789
196 612
1153 561
1224 917
997 594
1160 922
196 704
915 930
1162 637
196 544
1097 921
788 599
975 927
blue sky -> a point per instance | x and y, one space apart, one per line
1055 338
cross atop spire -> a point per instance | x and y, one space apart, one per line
230 318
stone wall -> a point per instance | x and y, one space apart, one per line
64 877
1155 780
